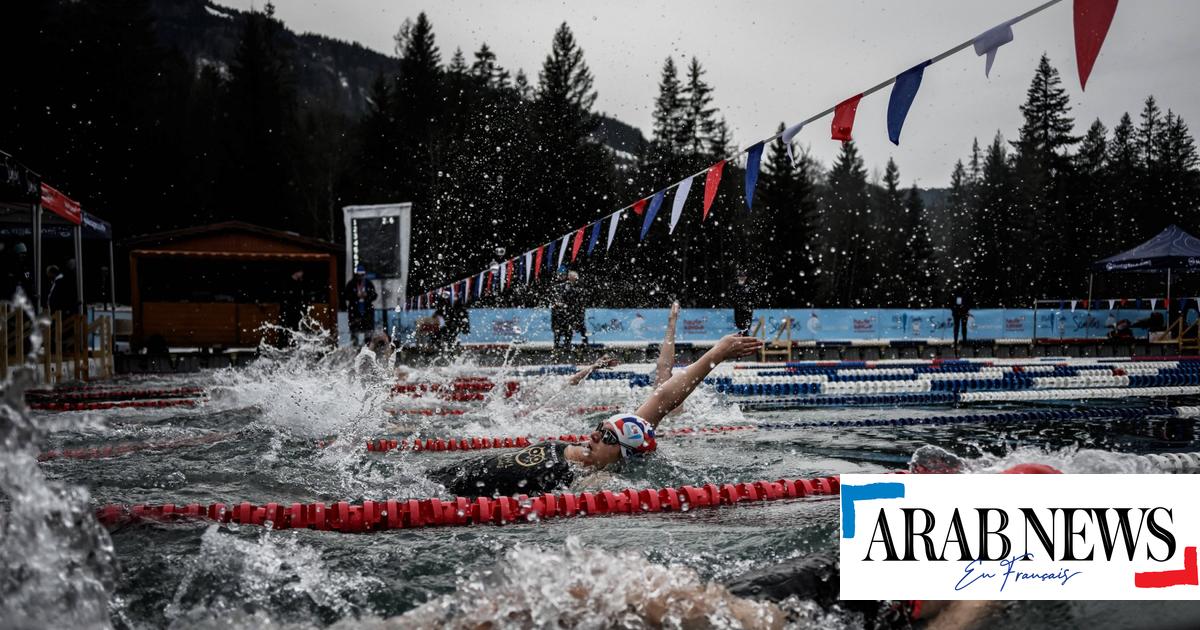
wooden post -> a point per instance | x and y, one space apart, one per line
135 300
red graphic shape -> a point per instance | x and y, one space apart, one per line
1188 575
639 206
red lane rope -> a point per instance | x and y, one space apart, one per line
77 395
382 445
373 516
121 404
116 450
579 411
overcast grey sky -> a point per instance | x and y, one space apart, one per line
783 60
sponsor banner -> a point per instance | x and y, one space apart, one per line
1078 324
1001 537
650 325
60 204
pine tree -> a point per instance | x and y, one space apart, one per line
844 221
1091 169
1001 243
1181 180
1125 176
263 108
918 271
953 248
783 227
887 234
663 159
699 120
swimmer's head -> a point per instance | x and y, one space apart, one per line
621 436
932 460
1032 469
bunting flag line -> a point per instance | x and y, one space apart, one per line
1073 306
1092 19
1112 304
509 276
843 118
989 41
753 158
711 181
594 238
612 229
577 244
550 259
788 135
681 195
1153 303
903 93
655 204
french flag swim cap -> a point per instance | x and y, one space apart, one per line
635 435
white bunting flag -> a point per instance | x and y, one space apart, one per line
681 195
988 42
1112 304
612 229
479 284
788 135
562 249
528 266
1153 303
503 275
1073 306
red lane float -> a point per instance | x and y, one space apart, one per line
382 445
116 450
113 394
372 516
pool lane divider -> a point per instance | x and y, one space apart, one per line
110 394
374 516
382 445
116 450
120 404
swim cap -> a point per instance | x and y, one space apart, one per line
1032 469
635 435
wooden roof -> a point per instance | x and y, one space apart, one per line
233 237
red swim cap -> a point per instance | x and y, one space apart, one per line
1032 469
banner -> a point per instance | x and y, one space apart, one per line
60 204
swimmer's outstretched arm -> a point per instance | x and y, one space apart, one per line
666 352
670 394
605 361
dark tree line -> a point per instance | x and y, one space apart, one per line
493 158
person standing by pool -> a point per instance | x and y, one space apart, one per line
549 466
741 296
960 310
359 296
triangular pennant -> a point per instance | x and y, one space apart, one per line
503 271
788 135
1112 304
550 258
903 93
453 293
655 204
1092 19
594 238
1153 303
488 286
1073 306
537 263
612 229
509 276
562 250
1083 304
639 206
753 159
681 195
843 118
577 244
479 284
989 41
711 181
528 266
1167 303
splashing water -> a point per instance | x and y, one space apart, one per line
57 565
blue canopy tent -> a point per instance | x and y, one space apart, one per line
1172 249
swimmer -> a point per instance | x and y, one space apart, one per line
550 466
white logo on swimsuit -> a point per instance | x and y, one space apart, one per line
531 456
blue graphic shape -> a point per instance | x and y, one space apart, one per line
871 491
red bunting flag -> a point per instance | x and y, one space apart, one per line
537 266
843 118
639 206
509 275
577 244
487 287
711 181
1092 19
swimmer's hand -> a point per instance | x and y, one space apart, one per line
605 361
735 345
675 310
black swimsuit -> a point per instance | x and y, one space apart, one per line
536 469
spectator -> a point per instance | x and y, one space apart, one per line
452 318
575 306
52 278
742 297
558 315
960 310
293 302
359 297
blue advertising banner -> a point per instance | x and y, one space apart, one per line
503 325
